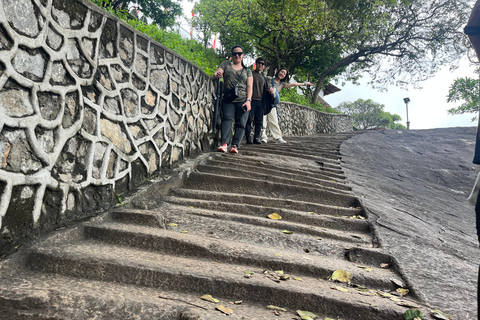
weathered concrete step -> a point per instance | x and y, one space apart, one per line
265 172
329 154
35 296
228 201
317 241
312 171
218 183
354 222
94 261
187 216
271 177
325 163
188 245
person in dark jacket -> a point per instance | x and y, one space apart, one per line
472 30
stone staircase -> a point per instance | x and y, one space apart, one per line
210 235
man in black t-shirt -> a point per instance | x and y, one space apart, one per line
256 113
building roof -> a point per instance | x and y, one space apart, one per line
330 88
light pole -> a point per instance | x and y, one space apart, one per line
407 100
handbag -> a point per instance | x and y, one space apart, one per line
232 93
268 100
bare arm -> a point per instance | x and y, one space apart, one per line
249 93
298 84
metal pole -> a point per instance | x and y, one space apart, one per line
408 122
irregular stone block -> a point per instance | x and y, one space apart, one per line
6 41
138 83
16 103
69 14
60 75
49 105
71 112
54 39
112 105
20 157
130 103
160 80
108 40
30 63
45 139
22 17
115 134
119 74
89 123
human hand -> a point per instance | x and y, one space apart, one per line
247 106
271 90
218 74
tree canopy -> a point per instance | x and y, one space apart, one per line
396 41
368 114
465 90
162 12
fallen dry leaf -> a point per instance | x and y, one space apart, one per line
342 276
209 298
225 310
274 216
437 314
276 308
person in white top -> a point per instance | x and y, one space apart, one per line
271 119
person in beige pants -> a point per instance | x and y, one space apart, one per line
271 119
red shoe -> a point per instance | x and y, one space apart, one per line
223 147
234 149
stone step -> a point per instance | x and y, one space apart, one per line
219 183
325 163
309 170
222 199
267 174
35 296
328 153
249 230
166 273
355 222
188 245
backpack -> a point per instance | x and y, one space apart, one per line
268 101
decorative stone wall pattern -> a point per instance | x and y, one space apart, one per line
89 108
298 120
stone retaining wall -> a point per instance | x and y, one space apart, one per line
298 120
90 108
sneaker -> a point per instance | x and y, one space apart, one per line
223 147
234 149
280 140
263 141
256 141
249 141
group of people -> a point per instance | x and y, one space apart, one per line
244 91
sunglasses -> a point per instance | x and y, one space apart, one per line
260 63
237 54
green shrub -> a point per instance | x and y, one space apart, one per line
292 95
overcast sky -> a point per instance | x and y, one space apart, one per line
427 108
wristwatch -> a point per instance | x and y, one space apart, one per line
249 99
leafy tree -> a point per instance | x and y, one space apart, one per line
466 90
207 59
368 114
396 41
162 12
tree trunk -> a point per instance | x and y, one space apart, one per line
318 87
